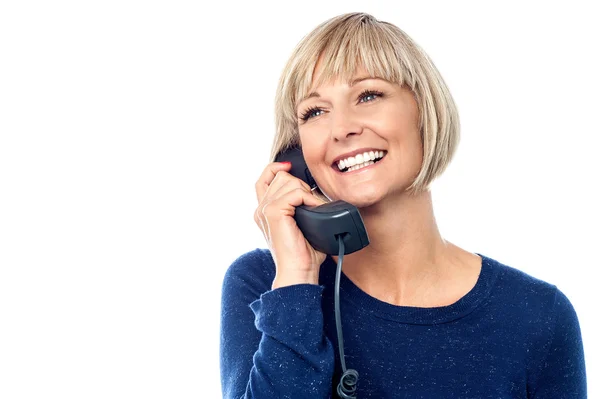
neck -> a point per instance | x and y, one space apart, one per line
406 254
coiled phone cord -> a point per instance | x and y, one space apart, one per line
346 388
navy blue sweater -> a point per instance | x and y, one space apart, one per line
511 336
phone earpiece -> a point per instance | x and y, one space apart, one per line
299 168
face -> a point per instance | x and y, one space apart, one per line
353 122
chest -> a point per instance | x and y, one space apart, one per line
431 361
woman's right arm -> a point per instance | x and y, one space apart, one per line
272 340
272 344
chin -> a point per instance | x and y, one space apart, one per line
363 199
370 196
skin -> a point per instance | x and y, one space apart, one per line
407 262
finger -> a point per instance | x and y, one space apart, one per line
282 178
259 219
286 204
267 176
280 186
273 193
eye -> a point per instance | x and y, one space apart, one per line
369 95
311 112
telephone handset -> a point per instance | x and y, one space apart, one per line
321 225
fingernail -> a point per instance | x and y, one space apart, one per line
287 162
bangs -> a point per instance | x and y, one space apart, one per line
360 44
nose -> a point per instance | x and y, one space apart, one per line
344 124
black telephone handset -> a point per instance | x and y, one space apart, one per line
321 225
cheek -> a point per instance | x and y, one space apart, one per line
396 116
313 157
396 125
313 146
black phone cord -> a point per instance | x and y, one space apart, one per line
346 388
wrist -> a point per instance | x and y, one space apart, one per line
293 278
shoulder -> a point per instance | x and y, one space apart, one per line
519 285
540 305
542 319
251 272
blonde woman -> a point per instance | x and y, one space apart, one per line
421 317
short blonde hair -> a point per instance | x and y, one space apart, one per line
352 40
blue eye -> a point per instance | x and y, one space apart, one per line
369 95
311 112
364 97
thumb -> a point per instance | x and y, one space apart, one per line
316 199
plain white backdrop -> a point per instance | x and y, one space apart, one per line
132 133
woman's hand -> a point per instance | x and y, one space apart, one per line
278 194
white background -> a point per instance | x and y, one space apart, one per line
132 133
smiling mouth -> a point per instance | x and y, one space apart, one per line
356 163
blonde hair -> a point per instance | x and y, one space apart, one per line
385 51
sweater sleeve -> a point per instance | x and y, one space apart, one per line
563 373
272 342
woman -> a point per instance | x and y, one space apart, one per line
421 316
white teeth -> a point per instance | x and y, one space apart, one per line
360 166
359 159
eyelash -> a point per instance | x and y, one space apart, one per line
306 115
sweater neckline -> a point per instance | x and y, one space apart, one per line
352 295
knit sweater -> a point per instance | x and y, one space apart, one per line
511 336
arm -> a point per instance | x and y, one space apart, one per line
272 341
562 373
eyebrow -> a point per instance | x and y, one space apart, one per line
352 83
